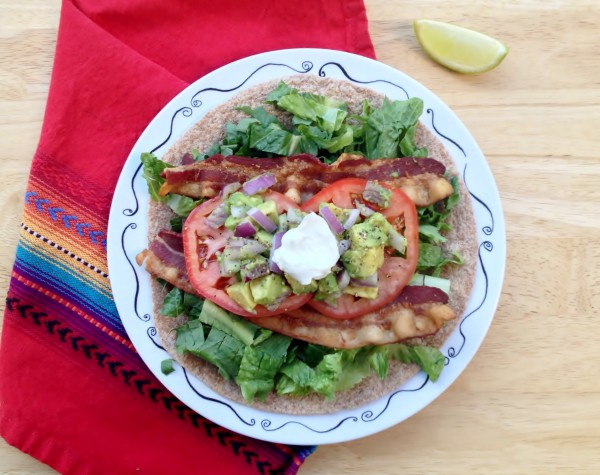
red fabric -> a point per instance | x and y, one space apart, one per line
72 393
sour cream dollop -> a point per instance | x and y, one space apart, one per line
308 251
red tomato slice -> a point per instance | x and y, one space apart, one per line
200 245
396 272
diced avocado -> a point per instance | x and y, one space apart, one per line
364 292
231 222
267 289
361 263
240 199
379 220
264 237
242 295
298 288
366 235
269 208
227 265
328 284
282 223
328 287
254 268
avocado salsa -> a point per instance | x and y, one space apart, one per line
362 237
261 361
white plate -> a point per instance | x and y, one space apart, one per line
128 227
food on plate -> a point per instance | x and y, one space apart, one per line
313 246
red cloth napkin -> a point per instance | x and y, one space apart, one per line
73 391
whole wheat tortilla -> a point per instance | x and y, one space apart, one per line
462 238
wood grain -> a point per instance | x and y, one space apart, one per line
530 400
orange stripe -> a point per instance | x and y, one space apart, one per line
72 307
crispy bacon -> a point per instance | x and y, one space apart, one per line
418 311
399 321
164 259
301 176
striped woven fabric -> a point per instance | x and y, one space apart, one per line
60 297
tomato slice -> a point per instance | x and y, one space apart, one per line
200 245
396 272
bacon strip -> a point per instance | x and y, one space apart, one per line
301 176
418 311
164 259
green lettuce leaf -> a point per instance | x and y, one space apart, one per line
429 359
386 127
152 167
325 113
259 365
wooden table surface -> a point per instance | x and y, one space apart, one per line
529 402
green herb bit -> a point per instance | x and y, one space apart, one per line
166 366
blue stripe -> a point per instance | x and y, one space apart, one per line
63 280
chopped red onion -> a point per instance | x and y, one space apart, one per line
370 281
354 214
217 217
244 229
243 248
238 211
331 219
363 209
276 245
343 246
294 216
230 188
343 279
262 219
397 241
259 184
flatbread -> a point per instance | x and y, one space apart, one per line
462 238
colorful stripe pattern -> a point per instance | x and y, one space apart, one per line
60 294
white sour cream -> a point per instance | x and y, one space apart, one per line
308 251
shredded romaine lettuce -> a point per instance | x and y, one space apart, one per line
323 127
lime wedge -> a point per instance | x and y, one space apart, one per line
458 48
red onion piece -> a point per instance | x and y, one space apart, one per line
343 246
243 248
294 216
276 244
331 219
230 188
244 229
262 219
217 217
343 279
354 214
397 241
238 211
363 209
259 184
369 281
